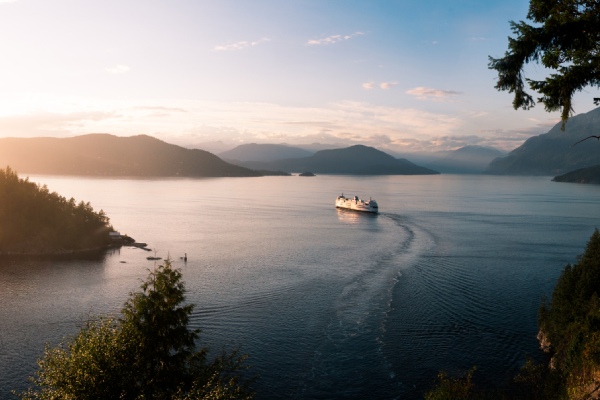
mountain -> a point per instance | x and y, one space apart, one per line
108 155
583 175
466 160
554 153
215 147
263 152
354 160
315 146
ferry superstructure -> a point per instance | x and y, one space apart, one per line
356 204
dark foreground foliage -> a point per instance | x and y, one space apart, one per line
149 352
571 322
564 37
449 388
570 326
35 221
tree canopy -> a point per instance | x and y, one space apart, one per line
149 352
564 37
35 220
569 331
571 320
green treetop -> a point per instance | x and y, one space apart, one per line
148 353
34 220
564 37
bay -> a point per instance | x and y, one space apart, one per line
327 303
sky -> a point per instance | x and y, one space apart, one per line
403 76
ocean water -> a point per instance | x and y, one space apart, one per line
327 303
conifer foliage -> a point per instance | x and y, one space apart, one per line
149 352
35 221
564 37
571 321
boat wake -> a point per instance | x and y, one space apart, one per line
351 358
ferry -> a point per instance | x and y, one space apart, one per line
356 204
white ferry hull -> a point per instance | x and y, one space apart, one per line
357 204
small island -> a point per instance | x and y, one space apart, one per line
590 175
36 222
307 173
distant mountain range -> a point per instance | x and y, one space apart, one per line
263 152
146 156
108 155
466 160
354 160
554 153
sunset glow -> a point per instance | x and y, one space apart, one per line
401 76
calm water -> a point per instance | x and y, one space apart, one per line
328 304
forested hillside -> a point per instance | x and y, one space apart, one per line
569 332
570 325
353 160
35 221
109 155
583 175
554 152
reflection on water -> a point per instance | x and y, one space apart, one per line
354 217
328 303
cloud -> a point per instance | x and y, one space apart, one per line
49 123
240 45
8 1
368 85
423 93
382 85
159 111
118 69
333 39
184 121
387 85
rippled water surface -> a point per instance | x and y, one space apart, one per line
327 303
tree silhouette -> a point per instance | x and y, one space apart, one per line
149 352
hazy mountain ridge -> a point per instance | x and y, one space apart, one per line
109 155
466 160
354 160
264 152
554 152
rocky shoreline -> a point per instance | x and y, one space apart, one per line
70 254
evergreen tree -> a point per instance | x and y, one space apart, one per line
460 388
564 37
571 321
148 353
36 221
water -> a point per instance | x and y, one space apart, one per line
327 303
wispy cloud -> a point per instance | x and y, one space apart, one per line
333 39
118 69
51 123
189 121
382 85
424 93
162 109
240 45
387 85
368 85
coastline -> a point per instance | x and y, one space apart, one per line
60 254
74 254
